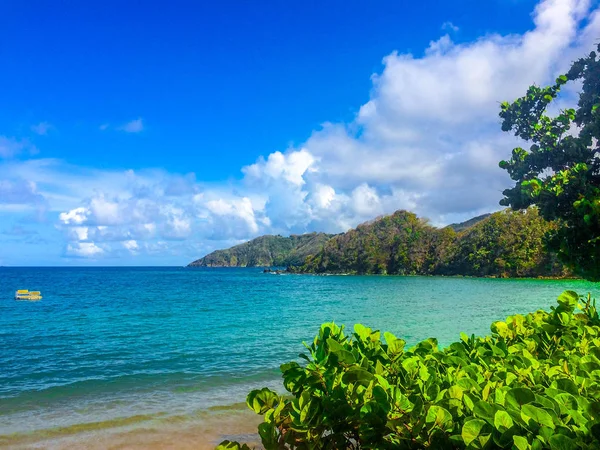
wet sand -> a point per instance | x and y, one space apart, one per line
200 433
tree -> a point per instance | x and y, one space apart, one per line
560 173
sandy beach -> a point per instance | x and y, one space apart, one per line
200 433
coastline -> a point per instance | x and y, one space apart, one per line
291 271
204 430
488 277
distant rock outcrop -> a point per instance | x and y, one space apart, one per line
267 251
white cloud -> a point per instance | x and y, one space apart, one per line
427 140
365 201
76 216
290 167
131 245
135 126
237 215
84 250
79 233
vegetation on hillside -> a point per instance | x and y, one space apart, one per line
462 226
266 251
531 384
400 243
503 244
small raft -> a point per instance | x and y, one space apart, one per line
24 294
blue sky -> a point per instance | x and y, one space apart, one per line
138 133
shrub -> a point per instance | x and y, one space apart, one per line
531 384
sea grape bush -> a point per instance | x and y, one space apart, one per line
532 384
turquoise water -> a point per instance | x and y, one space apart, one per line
108 343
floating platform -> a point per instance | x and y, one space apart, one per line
24 294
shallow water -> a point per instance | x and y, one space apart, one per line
124 349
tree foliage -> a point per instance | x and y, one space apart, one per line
532 384
506 244
266 251
503 244
560 172
400 243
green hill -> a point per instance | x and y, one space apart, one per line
468 223
266 251
503 244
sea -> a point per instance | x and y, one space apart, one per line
163 357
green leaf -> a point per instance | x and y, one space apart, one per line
400 400
565 401
455 392
568 300
268 435
485 410
334 346
363 332
564 384
500 328
562 442
538 415
261 400
395 345
517 397
341 355
231 445
357 374
438 416
521 443
502 421
473 429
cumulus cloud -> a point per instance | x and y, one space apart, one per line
135 126
131 245
431 127
84 250
427 140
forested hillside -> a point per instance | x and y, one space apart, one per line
266 251
503 244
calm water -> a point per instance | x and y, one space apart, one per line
108 344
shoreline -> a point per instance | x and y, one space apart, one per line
295 272
204 430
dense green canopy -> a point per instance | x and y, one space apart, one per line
266 251
503 244
560 173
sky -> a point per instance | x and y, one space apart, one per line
152 133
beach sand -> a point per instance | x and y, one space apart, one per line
201 432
